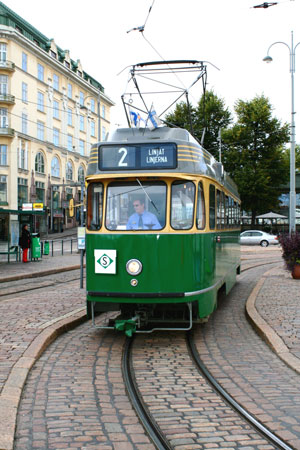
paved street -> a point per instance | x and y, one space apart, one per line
31 321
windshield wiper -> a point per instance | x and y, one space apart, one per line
152 203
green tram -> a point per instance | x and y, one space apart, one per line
162 231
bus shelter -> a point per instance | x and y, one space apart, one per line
11 222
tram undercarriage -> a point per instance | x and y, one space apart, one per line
143 318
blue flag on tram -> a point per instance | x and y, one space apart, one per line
154 119
136 119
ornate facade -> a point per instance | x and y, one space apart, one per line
51 112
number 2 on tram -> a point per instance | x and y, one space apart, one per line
162 234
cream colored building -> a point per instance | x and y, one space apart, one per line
51 112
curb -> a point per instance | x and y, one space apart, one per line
266 332
12 389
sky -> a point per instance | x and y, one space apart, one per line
230 34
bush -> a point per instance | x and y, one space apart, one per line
290 244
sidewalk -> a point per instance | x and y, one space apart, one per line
273 308
44 266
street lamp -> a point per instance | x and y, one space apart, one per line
292 210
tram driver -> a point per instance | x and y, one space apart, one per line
142 219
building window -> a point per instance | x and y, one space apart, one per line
39 163
92 105
70 142
40 72
92 128
81 122
55 169
70 115
22 191
3 52
40 191
69 171
53 54
81 147
81 98
23 155
55 81
55 109
3 84
24 61
40 131
3 189
103 111
67 64
69 90
81 174
3 118
3 155
40 101
24 123
24 92
103 134
56 136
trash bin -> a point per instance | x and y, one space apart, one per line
46 247
35 246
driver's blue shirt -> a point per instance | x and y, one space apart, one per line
149 221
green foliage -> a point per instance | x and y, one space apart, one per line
254 154
297 156
210 114
253 151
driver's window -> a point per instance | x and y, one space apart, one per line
182 206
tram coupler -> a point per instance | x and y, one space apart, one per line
127 325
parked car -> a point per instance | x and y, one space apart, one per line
256 237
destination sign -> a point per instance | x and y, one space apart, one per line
138 156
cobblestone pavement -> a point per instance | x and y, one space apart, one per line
34 325
186 408
245 365
77 396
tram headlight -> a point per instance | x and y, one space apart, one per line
134 267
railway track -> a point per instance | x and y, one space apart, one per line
149 424
31 284
259 426
182 368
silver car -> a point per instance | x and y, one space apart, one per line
256 237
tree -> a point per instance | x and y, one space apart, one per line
254 155
210 114
297 157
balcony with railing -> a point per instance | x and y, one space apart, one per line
7 66
7 132
7 99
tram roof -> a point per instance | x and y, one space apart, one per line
192 158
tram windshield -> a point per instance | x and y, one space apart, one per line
136 205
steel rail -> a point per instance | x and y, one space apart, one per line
148 422
264 431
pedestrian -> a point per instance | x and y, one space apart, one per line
25 242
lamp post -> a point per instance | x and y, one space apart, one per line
292 209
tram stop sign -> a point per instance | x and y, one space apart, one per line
105 261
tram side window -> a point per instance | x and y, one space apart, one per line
230 214
182 205
227 212
200 208
238 215
94 206
212 206
220 210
